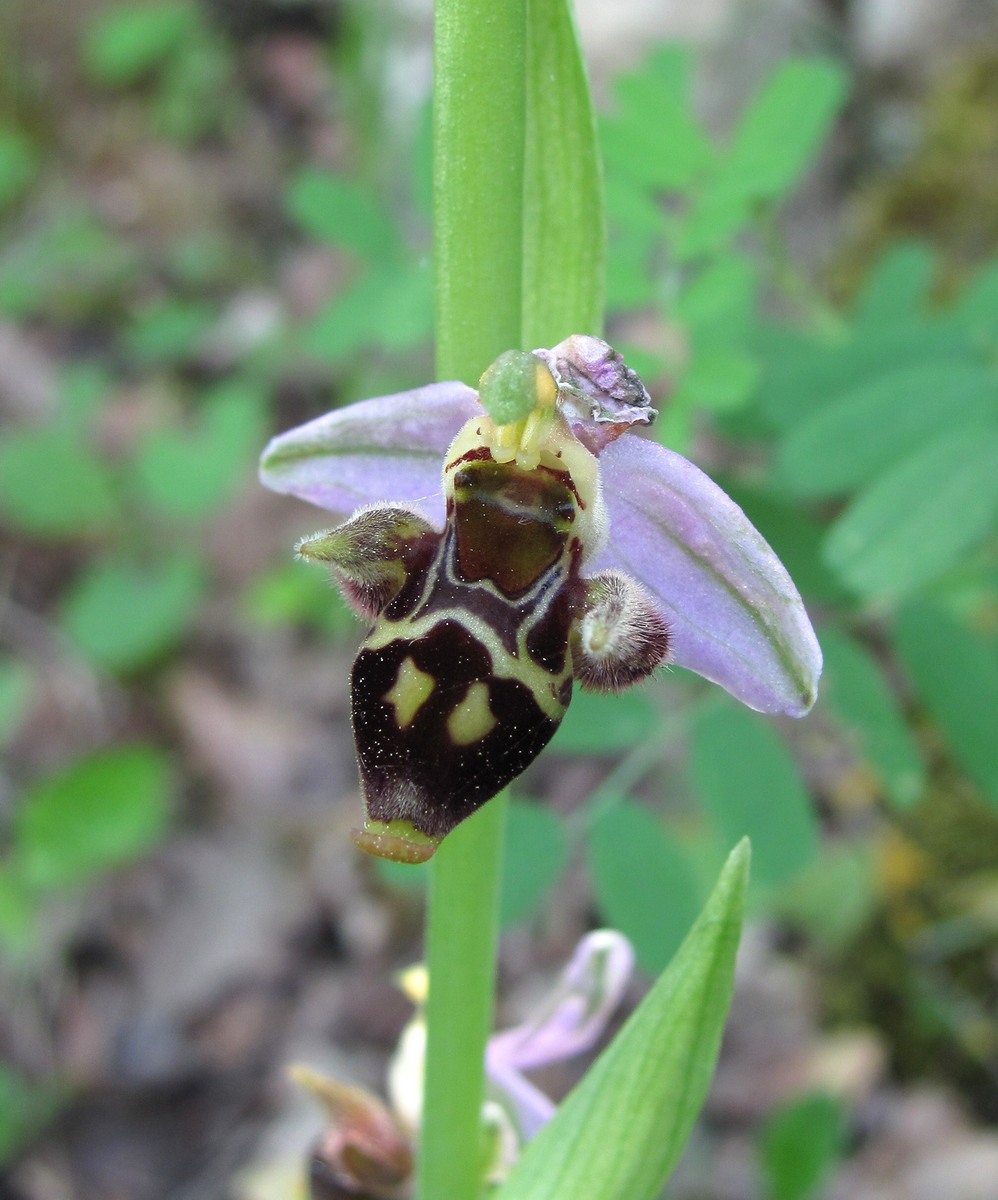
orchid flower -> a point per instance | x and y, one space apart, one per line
509 542
367 1149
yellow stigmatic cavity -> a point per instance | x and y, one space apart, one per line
473 719
410 691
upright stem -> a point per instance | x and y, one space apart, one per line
479 96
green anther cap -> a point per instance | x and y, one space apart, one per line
515 384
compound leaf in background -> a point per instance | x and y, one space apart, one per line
344 213
653 139
53 485
779 133
126 41
188 474
750 786
919 517
799 1145
856 693
121 615
643 882
391 308
897 285
596 724
622 1130
535 855
955 674
856 434
98 813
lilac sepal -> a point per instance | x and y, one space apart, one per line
734 614
377 451
569 1022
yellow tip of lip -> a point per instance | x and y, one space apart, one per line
398 841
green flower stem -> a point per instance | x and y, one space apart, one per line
479 97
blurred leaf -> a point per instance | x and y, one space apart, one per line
643 884
750 786
392 309
717 303
973 311
855 691
654 138
920 516
52 484
24 1107
897 286
18 165
720 379
122 615
855 435
799 1145
17 923
629 276
126 41
169 330
956 677
834 897
597 724
564 218
100 812
780 132
714 215
622 1130
535 855
344 213
297 594
191 474
17 683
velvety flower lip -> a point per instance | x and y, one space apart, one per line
734 614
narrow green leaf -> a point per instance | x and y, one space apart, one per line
643 882
854 435
564 228
536 854
956 677
856 692
920 517
98 813
122 615
750 786
621 1131
799 1145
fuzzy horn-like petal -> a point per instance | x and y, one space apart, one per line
733 612
388 448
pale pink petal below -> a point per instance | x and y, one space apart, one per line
734 614
388 449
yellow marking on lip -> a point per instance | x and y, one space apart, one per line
409 692
472 719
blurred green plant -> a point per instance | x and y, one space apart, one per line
799 1145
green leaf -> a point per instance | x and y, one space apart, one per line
654 139
17 685
897 285
597 724
192 473
53 485
122 615
834 897
535 855
956 677
168 330
127 40
718 301
102 811
750 786
297 594
853 436
781 131
564 224
799 1145
919 517
855 691
392 309
344 213
18 907
18 165
24 1108
621 1131
719 380
643 882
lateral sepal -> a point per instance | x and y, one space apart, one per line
373 554
621 637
